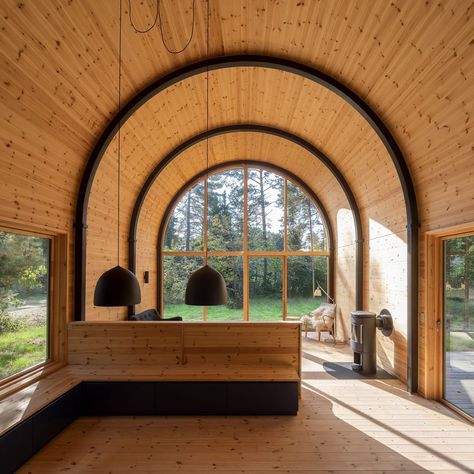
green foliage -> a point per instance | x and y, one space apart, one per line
23 269
23 262
185 228
176 272
455 313
265 210
265 277
304 274
460 341
231 268
305 227
225 210
459 280
225 218
8 298
8 324
261 309
301 306
31 277
22 349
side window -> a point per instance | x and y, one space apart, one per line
24 301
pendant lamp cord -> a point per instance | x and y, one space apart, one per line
207 92
119 129
207 114
158 20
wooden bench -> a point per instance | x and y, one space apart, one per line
150 368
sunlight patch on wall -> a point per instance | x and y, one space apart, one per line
387 288
345 265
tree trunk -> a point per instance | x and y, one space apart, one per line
188 223
264 229
311 246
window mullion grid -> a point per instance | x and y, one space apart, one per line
245 253
251 253
53 302
204 233
245 258
285 248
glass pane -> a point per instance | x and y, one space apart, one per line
176 272
225 210
24 302
304 275
232 270
459 323
265 210
305 226
185 228
265 289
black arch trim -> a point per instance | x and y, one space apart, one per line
319 155
259 164
283 65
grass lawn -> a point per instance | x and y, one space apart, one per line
261 309
21 349
455 313
460 341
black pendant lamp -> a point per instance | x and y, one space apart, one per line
118 286
206 286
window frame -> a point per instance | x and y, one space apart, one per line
57 305
245 253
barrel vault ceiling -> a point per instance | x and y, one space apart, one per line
410 61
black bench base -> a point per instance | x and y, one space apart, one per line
144 398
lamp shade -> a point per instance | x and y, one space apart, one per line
117 287
206 287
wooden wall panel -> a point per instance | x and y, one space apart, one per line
174 350
124 344
345 271
387 289
411 61
229 148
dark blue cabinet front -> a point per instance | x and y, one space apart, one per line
144 398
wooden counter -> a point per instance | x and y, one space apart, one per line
192 351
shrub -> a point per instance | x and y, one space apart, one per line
8 324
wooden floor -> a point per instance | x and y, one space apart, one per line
345 424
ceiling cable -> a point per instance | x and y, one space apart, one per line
207 113
130 14
119 134
207 91
158 20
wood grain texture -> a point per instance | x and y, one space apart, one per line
181 350
165 351
18 406
343 425
411 61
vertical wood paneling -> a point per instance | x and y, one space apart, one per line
411 61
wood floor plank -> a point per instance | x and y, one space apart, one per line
343 425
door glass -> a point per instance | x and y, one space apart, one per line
459 323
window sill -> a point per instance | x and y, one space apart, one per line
18 381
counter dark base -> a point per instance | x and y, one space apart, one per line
144 399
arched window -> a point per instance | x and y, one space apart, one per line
261 231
